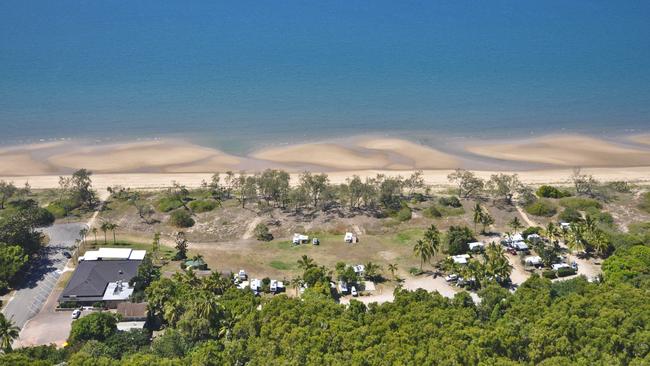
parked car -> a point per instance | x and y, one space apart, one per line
354 292
512 251
315 241
76 314
67 255
451 277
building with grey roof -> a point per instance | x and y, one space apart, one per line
95 281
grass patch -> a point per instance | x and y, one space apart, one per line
542 207
580 203
408 236
283 266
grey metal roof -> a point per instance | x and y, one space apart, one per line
91 277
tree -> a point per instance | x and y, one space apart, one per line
82 234
81 186
147 273
392 268
94 231
504 186
306 263
144 209
112 228
7 190
469 185
478 215
314 185
422 250
181 219
486 221
458 239
247 190
98 326
432 237
105 227
12 260
584 184
262 233
155 244
515 224
8 333
551 232
371 271
181 245
414 182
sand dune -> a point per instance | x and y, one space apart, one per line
381 153
327 155
641 139
566 151
418 156
363 154
144 156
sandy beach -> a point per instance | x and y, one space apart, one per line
156 163
565 150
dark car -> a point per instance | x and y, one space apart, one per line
67 255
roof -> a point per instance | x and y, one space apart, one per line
113 253
132 310
90 279
460 259
127 326
119 290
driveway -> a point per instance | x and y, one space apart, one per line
43 274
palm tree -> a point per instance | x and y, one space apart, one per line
94 230
422 250
371 270
496 262
306 262
106 226
82 233
8 332
432 237
486 221
112 227
392 268
478 215
551 232
515 224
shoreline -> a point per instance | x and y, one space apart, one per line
434 178
350 154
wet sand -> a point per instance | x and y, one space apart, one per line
362 156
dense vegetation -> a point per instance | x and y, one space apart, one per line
207 321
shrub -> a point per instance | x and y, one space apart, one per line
166 204
452 201
97 326
601 217
414 271
202 206
565 271
549 274
262 233
570 215
542 207
620 186
181 218
580 203
404 214
531 230
645 202
68 305
551 192
57 210
458 239
431 212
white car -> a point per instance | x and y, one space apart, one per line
76 314
353 291
452 277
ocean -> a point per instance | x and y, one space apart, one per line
242 74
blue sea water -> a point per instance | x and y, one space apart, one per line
239 73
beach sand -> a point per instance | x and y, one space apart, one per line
641 139
542 160
565 150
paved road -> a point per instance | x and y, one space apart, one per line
44 273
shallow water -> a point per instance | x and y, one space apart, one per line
238 75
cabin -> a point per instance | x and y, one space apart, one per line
350 238
476 246
460 259
300 239
533 260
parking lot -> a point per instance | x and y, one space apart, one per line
43 275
